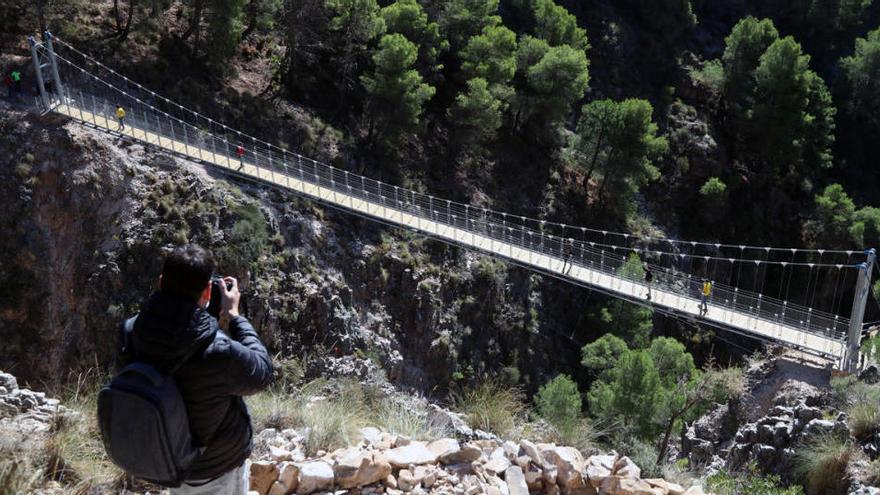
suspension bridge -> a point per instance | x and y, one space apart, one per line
781 311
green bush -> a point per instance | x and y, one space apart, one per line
559 401
822 463
713 187
749 483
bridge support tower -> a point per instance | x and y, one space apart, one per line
863 287
49 62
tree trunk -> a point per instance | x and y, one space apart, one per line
664 445
252 9
594 159
194 21
116 17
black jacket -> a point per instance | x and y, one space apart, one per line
220 367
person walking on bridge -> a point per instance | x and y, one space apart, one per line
704 297
240 152
567 250
649 277
120 117
16 82
7 81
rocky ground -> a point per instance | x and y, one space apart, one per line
386 463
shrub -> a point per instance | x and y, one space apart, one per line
751 482
23 170
822 462
713 187
409 420
559 401
491 406
711 75
329 422
864 418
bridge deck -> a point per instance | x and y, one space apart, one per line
620 287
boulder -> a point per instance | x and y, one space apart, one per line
618 485
497 465
371 435
805 413
516 481
8 381
666 486
765 433
279 488
444 447
314 476
871 376
530 449
821 426
764 454
289 475
569 465
781 434
359 468
695 490
262 475
414 453
627 468
466 455
597 474
406 480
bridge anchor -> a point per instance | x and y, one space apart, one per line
854 338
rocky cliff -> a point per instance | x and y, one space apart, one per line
88 216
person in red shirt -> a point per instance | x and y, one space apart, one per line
240 152
7 81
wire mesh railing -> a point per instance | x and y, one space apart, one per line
510 236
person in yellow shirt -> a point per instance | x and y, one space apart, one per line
704 297
120 116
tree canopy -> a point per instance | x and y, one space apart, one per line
396 90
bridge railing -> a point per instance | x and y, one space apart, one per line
209 143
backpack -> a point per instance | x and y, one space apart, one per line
144 424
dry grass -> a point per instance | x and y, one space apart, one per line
864 418
492 406
332 414
822 463
411 421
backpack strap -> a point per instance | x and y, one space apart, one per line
128 349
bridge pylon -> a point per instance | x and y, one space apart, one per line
860 299
49 62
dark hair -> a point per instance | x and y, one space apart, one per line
187 271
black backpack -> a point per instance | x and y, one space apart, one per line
144 424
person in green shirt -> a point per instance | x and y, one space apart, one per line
16 82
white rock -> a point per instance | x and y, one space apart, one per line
497 465
314 476
414 453
516 482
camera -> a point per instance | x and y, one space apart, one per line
215 303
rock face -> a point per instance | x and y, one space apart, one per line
87 219
388 463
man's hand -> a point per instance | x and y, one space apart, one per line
229 297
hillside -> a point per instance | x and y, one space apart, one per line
735 122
